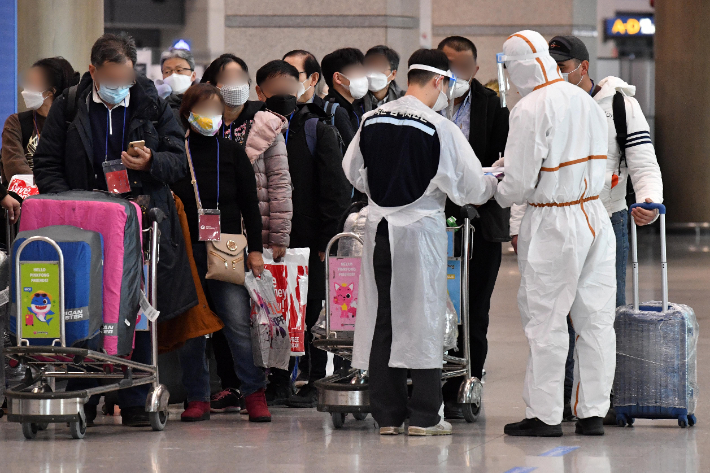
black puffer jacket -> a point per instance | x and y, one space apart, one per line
321 193
64 161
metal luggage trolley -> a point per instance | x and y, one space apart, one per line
34 403
346 391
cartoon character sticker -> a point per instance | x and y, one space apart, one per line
344 299
41 307
40 299
343 280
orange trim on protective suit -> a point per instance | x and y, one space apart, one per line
575 161
547 83
581 205
576 400
565 204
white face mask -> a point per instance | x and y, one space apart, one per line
302 89
179 83
441 101
460 88
358 86
377 81
33 100
235 95
565 75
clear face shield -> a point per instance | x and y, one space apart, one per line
445 100
503 83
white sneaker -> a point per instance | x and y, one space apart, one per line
392 430
442 428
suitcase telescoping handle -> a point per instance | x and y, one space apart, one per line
634 254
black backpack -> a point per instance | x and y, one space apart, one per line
618 108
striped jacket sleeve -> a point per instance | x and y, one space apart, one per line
641 156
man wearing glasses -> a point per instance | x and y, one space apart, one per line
92 123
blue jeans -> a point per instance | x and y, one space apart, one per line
232 304
620 223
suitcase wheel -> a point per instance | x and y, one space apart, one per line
692 420
623 419
683 422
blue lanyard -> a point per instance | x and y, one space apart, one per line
123 133
591 91
289 126
196 187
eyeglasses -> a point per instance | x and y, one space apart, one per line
180 70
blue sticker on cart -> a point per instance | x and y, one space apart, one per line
453 284
558 451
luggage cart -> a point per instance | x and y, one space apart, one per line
34 402
346 392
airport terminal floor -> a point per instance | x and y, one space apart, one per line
303 440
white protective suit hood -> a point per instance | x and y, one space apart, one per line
534 73
610 85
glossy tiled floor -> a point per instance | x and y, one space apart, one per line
304 440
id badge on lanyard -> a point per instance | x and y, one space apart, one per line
115 171
209 225
116 177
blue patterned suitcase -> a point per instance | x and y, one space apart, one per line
656 352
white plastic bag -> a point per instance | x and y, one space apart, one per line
271 345
451 327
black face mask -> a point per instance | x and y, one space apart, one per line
282 104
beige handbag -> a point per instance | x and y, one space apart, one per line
225 258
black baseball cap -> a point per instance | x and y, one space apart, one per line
564 48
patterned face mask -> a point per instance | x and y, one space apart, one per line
206 125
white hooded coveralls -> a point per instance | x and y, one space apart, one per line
417 232
555 162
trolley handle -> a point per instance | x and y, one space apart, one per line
649 206
634 253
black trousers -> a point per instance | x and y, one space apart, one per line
388 386
484 266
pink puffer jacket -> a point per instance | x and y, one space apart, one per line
266 149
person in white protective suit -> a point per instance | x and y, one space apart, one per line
407 159
555 164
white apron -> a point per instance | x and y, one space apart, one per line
417 234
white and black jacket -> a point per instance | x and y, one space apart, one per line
641 163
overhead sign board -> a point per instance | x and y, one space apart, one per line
630 26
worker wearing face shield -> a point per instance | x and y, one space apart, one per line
407 159
555 165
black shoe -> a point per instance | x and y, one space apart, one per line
228 400
307 396
452 410
278 394
533 428
590 426
135 417
567 415
90 413
610 418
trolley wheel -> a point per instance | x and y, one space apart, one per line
158 420
77 429
683 422
338 419
29 430
692 420
470 412
360 415
42 426
621 422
